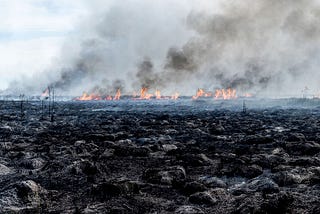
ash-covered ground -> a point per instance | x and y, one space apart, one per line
142 156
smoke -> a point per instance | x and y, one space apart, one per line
146 77
262 46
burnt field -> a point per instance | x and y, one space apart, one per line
160 156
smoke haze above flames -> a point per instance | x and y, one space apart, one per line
260 46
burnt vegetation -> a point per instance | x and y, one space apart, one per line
159 157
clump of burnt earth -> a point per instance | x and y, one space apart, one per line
158 158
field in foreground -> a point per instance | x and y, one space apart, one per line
159 157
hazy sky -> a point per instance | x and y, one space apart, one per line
260 45
32 32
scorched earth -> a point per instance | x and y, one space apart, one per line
165 156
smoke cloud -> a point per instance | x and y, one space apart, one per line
261 46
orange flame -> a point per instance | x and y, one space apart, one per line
118 95
200 93
225 94
144 95
87 97
158 94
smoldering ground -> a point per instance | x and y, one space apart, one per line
264 46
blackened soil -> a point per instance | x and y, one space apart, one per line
158 158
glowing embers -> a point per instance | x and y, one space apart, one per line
93 96
225 94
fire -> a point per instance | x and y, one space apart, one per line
225 94
144 95
118 95
87 97
158 94
200 93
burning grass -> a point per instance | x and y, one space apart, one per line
144 94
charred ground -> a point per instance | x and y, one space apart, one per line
160 157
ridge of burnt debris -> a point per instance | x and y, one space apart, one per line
160 157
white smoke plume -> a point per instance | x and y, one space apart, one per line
260 46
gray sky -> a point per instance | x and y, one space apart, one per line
32 33
255 45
